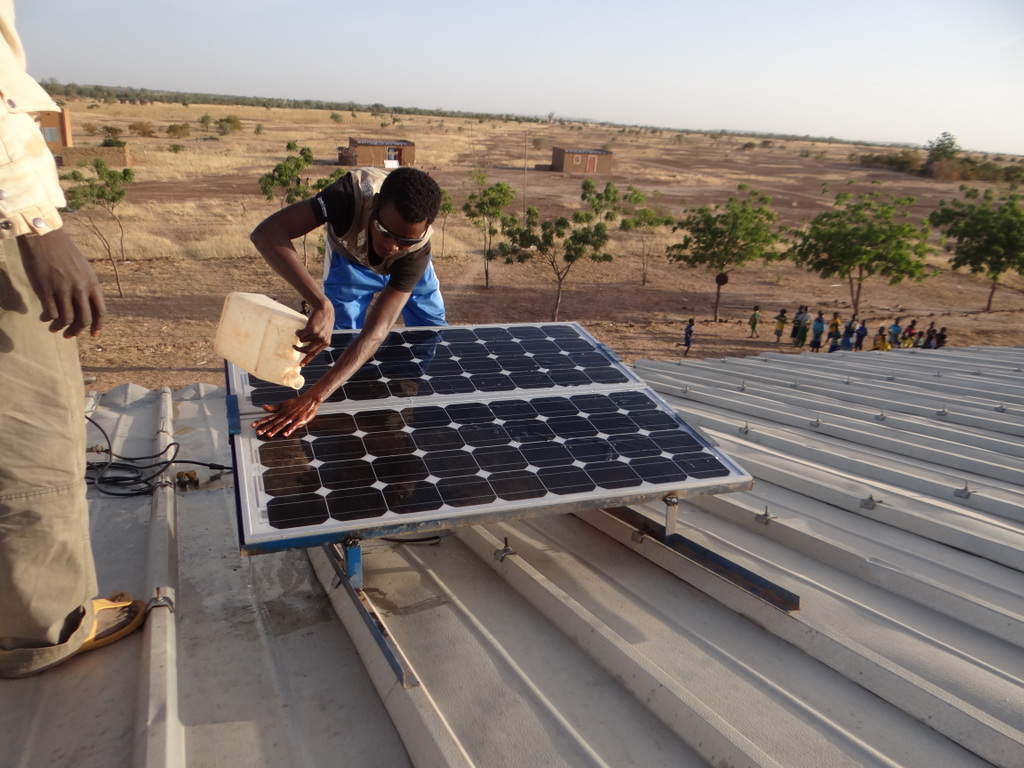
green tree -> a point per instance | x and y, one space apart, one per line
285 179
323 183
229 124
942 161
485 209
723 238
179 131
988 233
142 128
447 209
561 242
862 236
206 121
944 147
643 223
111 132
105 191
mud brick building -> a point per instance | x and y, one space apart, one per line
597 161
379 153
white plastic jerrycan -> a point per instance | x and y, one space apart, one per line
257 334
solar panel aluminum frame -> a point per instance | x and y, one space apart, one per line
256 535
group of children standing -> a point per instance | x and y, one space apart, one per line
835 334
815 332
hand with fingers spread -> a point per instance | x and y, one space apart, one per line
288 416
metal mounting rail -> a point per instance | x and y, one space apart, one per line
342 565
745 579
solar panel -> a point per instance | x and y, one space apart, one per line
461 425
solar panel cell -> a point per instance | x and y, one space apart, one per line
612 474
564 480
517 486
298 511
465 491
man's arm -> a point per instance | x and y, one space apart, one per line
273 239
64 281
294 413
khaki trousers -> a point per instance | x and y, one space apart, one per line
47 574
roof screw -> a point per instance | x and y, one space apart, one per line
501 554
963 493
764 518
743 386
891 376
817 420
745 429
1001 408
794 385
849 380
870 502
938 374
880 416
943 412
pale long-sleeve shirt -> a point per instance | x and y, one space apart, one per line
30 192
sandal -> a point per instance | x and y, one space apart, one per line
134 613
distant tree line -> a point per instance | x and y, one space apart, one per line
124 94
860 236
944 160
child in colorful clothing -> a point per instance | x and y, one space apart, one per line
780 324
859 336
687 338
882 340
817 331
755 317
835 326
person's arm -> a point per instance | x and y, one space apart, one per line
273 239
64 281
288 416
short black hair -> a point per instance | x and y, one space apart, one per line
415 195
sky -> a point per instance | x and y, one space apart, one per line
886 71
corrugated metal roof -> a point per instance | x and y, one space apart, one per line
889 498
577 151
384 142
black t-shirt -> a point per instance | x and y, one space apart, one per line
335 206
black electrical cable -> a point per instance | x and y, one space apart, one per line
129 473
432 539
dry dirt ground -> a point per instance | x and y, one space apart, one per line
188 246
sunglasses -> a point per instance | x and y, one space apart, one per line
383 231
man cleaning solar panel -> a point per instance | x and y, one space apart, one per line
48 295
378 245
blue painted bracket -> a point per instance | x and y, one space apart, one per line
353 561
234 420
